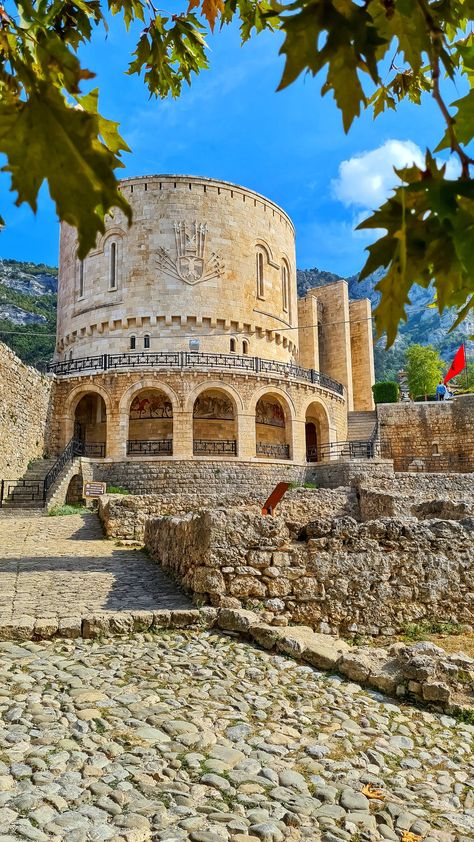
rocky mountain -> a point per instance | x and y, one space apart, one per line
28 309
424 325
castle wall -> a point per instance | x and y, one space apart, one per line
25 400
362 354
148 295
440 434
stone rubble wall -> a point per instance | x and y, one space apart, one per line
25 400
369 578
431 430
448 496
125 516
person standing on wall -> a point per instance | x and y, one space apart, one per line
440 391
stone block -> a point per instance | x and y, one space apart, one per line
96 626
236 620
45 627
182 618
161 620
70 627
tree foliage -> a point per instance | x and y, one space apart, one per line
424 369
368 54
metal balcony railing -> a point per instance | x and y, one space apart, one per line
218 447
149 447
273 451
194 360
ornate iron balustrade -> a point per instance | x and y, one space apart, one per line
220 447
149 447
138 360
194 360
79 366
273 451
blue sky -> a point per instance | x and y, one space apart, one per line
231 124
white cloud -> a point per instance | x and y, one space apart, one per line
367 179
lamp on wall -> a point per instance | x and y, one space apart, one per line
194 344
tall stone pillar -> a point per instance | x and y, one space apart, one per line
362 353
335 335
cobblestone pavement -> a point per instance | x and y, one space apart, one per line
200 736
63 567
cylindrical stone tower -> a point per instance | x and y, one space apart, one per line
203 259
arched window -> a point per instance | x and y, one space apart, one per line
81 279
284 286
146 342
259 275
245 346
133 343
113 266
232 346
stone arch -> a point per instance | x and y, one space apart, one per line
146 383
231 391
90 421
150 423
215 420
317 430
274 419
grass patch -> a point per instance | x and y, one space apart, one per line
117 489
68 509
421 630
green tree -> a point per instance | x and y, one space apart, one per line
370 54
424 369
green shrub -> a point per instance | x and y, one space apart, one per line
117 489
420 398
386 392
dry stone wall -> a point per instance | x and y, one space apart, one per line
25 399
344 577
125 517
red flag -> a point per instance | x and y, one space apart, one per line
457 364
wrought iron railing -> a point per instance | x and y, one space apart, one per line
15 490
194 360
73 448
94 449
273 451
149 447
366 449
219 447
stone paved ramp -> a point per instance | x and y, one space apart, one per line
54 567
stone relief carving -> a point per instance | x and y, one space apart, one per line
214 408
150 406
190 264
270 413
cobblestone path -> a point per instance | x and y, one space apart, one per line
200 736
63 567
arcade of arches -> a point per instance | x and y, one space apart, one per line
172 418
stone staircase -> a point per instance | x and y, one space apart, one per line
361 425
27 491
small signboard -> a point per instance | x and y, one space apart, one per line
91 490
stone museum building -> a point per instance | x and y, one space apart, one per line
182 337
